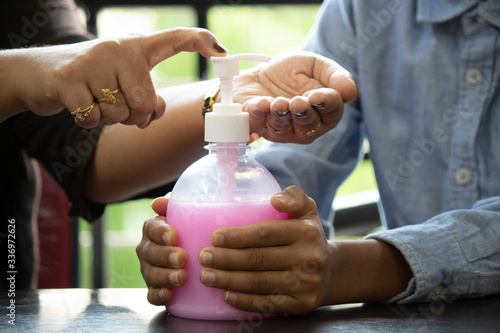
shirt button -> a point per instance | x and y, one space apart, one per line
473 76
462 176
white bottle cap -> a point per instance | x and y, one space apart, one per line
228 122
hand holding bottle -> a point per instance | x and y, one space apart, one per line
161 260
300 246
296 97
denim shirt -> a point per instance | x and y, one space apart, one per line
429 73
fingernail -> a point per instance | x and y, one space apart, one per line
162 294
151 118
283 197
230 297
319 105
173 259
217 240
219 48
166 238
357 88
300 114
208 277
205 258
174 278
282 114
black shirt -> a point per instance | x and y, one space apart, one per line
60 145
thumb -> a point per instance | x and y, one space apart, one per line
295 202
167 43
159 206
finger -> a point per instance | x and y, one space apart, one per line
251 259
80 97
265 304
271 233
278 124
164 44
262 234
158 231
258 109
111 113
163 255
159 296
295 202
157 113
159 205
139 93
160 277
244 282
328 103
304 117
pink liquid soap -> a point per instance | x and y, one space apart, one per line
195 224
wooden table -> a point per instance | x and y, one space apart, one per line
127 310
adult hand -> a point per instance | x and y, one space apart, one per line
73 76
273 266
161 261
312 91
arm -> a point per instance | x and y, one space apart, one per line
453 255
294 269
47 79
292 81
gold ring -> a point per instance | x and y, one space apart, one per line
276 131
81 115
311 132
109 98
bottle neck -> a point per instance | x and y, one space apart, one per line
218 148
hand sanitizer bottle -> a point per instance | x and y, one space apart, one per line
226 188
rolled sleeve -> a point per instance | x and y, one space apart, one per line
453 255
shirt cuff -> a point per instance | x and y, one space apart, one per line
423 252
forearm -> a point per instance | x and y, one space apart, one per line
129 161
367 271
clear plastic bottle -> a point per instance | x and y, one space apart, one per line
226 188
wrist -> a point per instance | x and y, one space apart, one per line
11 66
367 271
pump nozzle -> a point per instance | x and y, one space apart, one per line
228 122
228 67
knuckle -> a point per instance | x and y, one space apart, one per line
307 230
264 234
256 260
107 46
203 34
60 74
146 273
145 251
138 250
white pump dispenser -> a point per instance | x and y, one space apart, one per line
226 188
228 122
